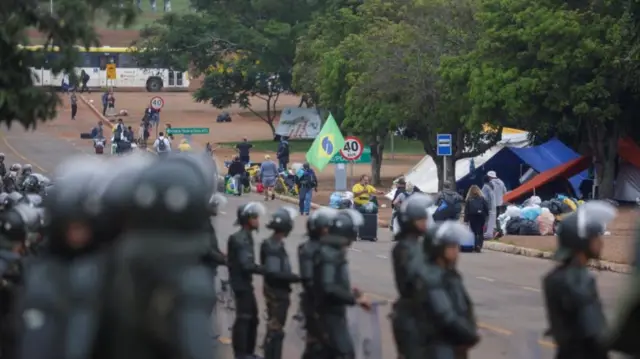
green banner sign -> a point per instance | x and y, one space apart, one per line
188 131
365 158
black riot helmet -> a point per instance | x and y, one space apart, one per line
320 219
414 208
577 230
173 193
444 234
347 224
17 222
27 169
248 211
73 201
216 202
282 220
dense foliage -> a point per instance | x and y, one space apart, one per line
70 23
553 68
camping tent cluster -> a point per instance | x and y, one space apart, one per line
545 170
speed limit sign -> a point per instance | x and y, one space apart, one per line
157 103
352 149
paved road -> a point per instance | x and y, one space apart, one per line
504 288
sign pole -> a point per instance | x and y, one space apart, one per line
444 149
444 168
352 164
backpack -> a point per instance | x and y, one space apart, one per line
162 144
307 180
476 206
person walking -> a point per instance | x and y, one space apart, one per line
476 211
244 148
84 79
307 183
268 177
74 104
162 146
499 190
489 196
105 102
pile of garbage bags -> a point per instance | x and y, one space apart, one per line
536 217
341 200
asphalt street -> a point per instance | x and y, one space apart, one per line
505 288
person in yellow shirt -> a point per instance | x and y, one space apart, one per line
363 191
184 146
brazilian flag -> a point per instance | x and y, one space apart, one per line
326 145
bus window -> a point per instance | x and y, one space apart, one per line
108 59
49 59
127 61
89 59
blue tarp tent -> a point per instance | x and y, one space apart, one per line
511 163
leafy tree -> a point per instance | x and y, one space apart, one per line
554 66
244 49
424 76
71 23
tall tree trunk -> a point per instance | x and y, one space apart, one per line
443 177
377 152
603 140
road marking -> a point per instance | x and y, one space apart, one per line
18 154
355 249
531 289
381 256
486 278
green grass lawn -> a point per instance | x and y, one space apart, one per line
402 146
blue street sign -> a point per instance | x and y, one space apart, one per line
444 145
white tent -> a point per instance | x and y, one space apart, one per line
425 173
627 188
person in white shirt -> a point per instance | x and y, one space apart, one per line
162 145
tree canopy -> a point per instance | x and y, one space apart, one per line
70 24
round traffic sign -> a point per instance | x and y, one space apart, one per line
157 103
352 149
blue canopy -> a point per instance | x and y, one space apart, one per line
511 163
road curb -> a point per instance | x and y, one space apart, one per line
507 248
536 253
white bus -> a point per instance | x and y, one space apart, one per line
128 74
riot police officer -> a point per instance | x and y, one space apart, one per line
444 311
3 167
278 278
26 171
73 272
161 295
412 222
242 267
213 256
574 309
318 226
622 336
333 287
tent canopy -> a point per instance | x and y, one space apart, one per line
627 181
425 173
511 163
